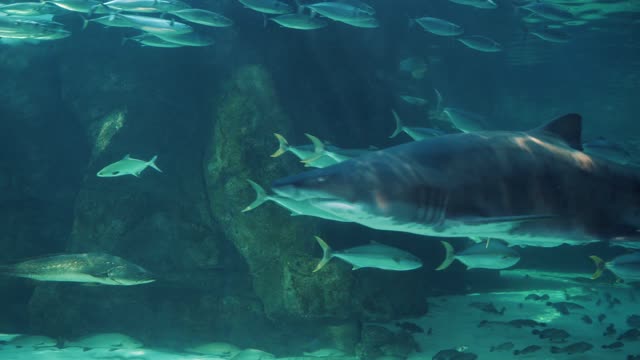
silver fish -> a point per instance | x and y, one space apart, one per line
90 268
416 133
413 100
273 7
626 267
549 11
465 121
83 6
146 6
299 21
366 23
439 27
551 35
152 41
297 208
25 8
203 17
128 166
479 4
302 152
374 255
326 155
480 43
188 39
155 25
340 11
360 5
485 255
497 184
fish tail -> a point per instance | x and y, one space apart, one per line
326 254
492 349
85 22
449 257
399 125
516 352
439 101
283 145
599 266
555 350
261 196
318 149
152 163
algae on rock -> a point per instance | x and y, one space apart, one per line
275 246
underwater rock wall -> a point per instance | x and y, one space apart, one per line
274 245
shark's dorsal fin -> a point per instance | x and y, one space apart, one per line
567 128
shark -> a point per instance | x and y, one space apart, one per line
528 188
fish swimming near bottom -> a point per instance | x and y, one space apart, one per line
626 267
506 346
533 188
576 348
89 268
219 349
373 256
527 350
105 341
486 255
128 166
32 341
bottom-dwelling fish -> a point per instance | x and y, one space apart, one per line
89 268
373 255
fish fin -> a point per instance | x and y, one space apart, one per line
439 101
152 163
85 22
505 219
326 254
356 267
567 128
449 257
399 125
487 245
261 196
318 149
283 145
599 266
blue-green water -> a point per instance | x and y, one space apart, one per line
74 100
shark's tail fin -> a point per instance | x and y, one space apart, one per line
261 196
399 125
449 257
152 163
283 146
326 254
599 266
318 149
